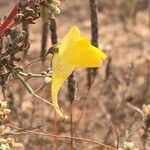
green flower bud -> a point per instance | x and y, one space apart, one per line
48 10
47 79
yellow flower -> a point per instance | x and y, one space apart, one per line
74 51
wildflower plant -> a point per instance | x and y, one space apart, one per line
72 52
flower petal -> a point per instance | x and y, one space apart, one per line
70 37
57 82
61 72
74 51
81 53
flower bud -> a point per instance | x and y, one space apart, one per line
47 79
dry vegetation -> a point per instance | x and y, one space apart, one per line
114 110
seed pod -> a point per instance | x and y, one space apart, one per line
19 18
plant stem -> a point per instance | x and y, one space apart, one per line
9 19
71 90
44 40
91 73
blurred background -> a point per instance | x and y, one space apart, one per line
124 35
